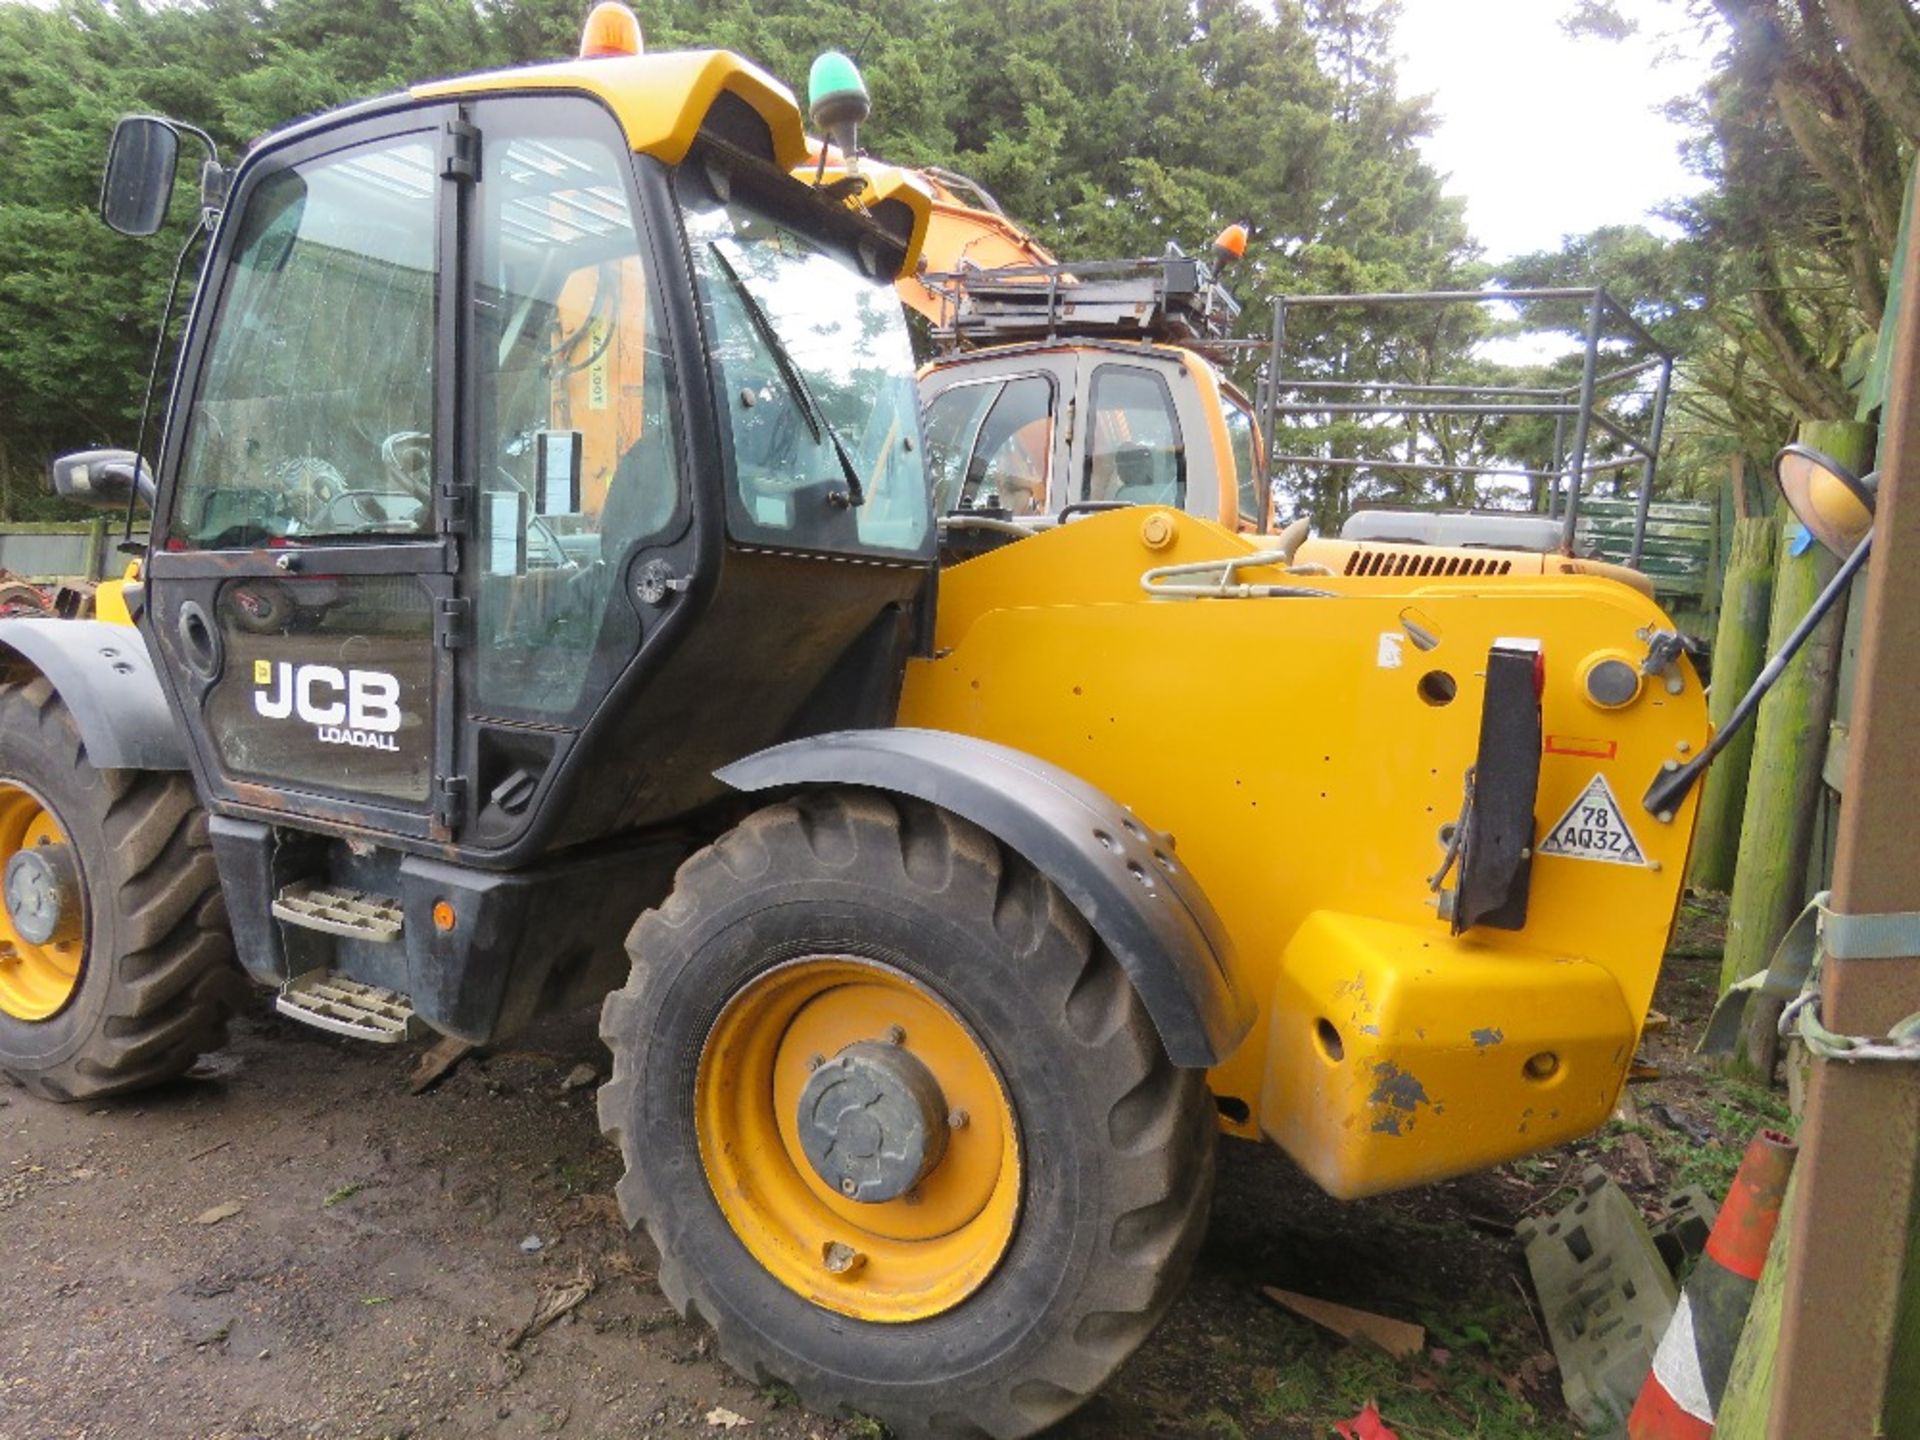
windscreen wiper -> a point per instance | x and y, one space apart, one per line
816 418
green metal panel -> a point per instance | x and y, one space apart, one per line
1679 550
1873 389
62 551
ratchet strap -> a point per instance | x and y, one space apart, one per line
1793 977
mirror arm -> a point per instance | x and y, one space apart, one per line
1670 787
182 127
214 177
143 487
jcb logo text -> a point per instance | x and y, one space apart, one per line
345 707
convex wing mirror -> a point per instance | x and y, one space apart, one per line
107 479
142 160
1837 507
1826 497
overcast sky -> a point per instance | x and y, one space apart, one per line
1546 135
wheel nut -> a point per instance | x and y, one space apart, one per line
896 1035
958 1120
848 1185
841 1259
814 1062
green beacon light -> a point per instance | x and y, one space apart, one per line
837 102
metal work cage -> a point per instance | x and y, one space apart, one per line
1581 411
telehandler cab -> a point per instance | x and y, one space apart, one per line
541 604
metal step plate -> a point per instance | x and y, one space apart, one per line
347 1007
336 910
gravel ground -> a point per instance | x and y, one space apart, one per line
289 1244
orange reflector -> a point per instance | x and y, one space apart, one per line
443 916
612 29
1230 243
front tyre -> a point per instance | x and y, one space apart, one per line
898 1125
116 965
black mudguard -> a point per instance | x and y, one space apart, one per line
1120 873
106 678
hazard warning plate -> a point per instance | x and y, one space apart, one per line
1594 828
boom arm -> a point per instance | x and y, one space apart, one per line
967 228
963 234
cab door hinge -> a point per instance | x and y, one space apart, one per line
460 151
451 617
453 509
450 800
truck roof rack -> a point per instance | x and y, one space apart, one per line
1173 298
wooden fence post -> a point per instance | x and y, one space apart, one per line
1789 746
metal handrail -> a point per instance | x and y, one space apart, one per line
1224 586
1579 403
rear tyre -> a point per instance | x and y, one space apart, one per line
839 937
116 965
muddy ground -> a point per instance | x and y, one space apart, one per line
380 1250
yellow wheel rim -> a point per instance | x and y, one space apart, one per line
894 1260
36 981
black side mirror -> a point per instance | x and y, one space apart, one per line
141 162
106 479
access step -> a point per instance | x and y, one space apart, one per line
346 1007
338 910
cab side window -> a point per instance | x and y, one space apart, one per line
1134 454
1246 469
952 422
992 444
578 458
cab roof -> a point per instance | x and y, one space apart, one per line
661 100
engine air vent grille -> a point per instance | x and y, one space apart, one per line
1392 564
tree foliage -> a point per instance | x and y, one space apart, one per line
1108 126
1778 279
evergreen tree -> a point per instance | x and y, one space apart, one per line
1110 127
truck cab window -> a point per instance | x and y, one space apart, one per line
1005 458
1246 470
313 419
952 423
1135 453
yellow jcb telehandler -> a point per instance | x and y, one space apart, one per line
542 605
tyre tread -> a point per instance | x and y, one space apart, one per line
176 981
1159 1121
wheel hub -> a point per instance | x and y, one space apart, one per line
857 1138
42 886
872 1121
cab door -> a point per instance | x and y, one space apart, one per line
304 548
431 454
579 472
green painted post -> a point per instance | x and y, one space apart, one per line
1743 1409
1739 650
1903 1403
1789 748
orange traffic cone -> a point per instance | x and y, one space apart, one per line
1682 1393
